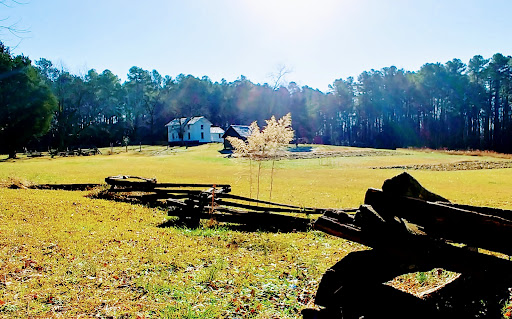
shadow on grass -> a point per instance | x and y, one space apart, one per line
253 227
224 151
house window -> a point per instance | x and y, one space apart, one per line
202 135
202 126
189 126
189 135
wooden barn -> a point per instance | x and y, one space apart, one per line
239 131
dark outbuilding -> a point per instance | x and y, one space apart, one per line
239 131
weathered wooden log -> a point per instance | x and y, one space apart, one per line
421 251
68 187
309 210
357 279
369 220
172 202
260 208
343 230
446 222
225 187
503 213
161 192
342 216
406 185
217 190
258 219
127 181
353 282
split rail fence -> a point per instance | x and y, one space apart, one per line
193 202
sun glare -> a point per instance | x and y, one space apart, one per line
291 14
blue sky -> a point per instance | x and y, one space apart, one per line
319 40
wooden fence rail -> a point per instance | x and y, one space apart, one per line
195 201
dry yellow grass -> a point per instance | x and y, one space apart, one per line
65 255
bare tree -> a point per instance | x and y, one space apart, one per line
278 76
12 28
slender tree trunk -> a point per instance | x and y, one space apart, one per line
259 173
12 153
250 177
272 178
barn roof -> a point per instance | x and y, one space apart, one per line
242 130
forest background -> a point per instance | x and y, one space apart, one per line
453 105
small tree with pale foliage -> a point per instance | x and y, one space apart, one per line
264 144
278 134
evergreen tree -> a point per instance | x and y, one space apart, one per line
26 102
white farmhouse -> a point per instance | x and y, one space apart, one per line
189 130
217 133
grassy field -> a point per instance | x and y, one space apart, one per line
66 255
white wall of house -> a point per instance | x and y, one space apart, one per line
217 137
197 130
216 134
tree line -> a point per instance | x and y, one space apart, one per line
452 105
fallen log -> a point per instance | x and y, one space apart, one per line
503 213
445 222
420 252
406 185
67 187
132 182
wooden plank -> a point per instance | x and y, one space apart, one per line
331 226
171 185
259 208
161 192
176 203
441 221
309 209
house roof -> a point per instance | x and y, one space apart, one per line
216 130
195 119
186 120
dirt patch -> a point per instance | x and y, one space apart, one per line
457 166
15 183
342 153
465 152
